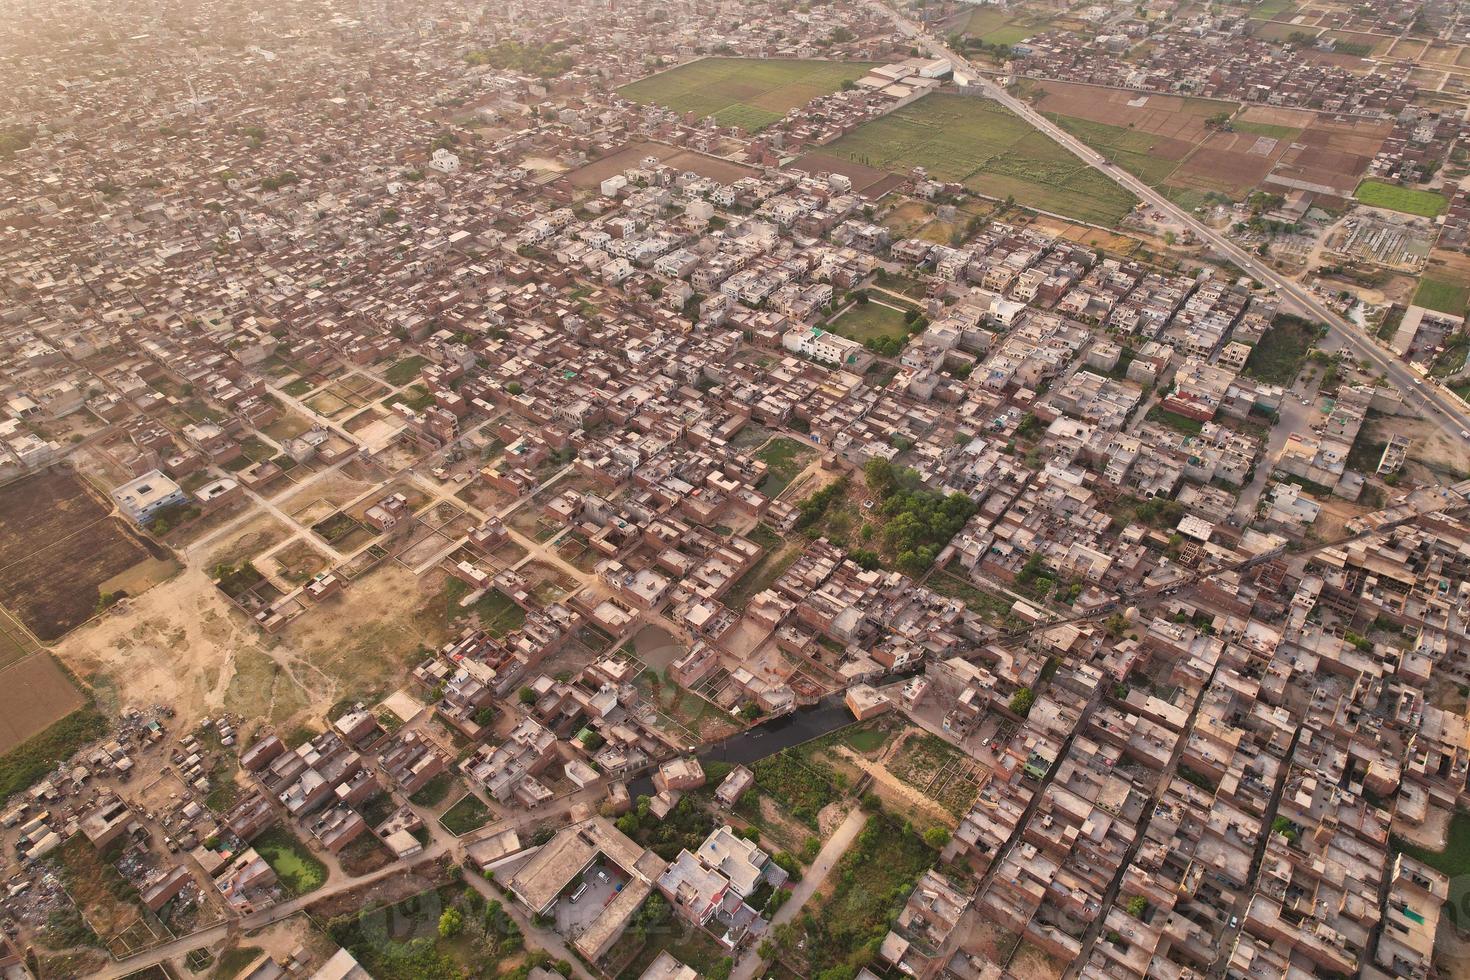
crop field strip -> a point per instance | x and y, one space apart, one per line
750 93
992 152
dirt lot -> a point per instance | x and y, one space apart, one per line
594 173
870 182
34 694
57 546
182 644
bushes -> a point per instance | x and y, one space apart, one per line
799 787
33 758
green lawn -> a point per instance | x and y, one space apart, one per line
750 93
1446 297
1377 194
299 870
869 321
992 152
1268 9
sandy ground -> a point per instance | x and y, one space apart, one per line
1435 457
182 644
894 788
1430 834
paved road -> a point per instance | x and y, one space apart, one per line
1437 405
750 964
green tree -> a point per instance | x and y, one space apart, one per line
451 923
1022 701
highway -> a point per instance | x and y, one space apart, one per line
1436 405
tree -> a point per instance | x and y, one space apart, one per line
1137 907
451 923
1022 701
936 837
526 696
514 388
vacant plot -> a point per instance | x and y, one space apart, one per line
865 891
1441 295
54 521
594 173
784 458
1279 354
870 321
992 152
299 870
1377 194
750 93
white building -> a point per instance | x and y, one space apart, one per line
829 348
143 498
444 161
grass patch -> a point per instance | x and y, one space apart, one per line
1377 194
750 93
404 371
991 151
1278 356
232 961
1446 297
869 321
784 458
466 815
39 754
298 869
432 793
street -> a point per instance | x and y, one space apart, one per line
1437 406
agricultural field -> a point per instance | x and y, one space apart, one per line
989 150
1175 144
750 93
1442 295
1377 194
58 547
991 25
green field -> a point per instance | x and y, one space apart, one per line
1266 129
1446 297
1377 194
994 26
1128 148
1268 9
297 868
750 93
869 321
992 152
